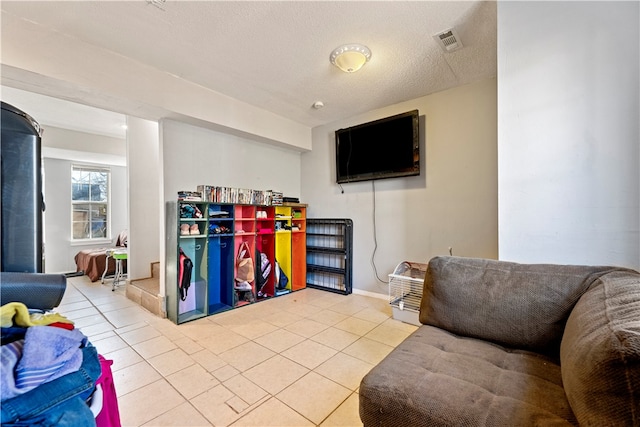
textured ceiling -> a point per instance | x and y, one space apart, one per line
275 55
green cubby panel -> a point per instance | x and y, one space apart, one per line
194 304
193 308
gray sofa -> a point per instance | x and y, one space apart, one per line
506 344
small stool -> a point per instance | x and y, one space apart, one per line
118 256
109 254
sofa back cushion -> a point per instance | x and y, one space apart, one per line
600 353
517 305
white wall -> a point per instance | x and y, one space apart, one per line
453 203
143 153
568 111
191 155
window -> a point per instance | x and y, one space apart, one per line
90 202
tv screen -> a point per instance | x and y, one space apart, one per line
385 148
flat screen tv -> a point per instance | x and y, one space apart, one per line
385 148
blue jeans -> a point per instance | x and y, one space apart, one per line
60 403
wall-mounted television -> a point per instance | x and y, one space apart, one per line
384 148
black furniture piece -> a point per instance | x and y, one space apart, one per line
330 254
35 290
21 188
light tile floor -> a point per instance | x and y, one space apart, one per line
295 360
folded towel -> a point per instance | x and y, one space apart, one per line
9 356
17 314
48 353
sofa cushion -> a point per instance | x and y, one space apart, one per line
518 305
437 378
600 352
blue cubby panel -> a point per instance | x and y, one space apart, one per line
220 275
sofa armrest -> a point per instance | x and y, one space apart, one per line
35 290
600 352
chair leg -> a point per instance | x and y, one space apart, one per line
116 278
106 266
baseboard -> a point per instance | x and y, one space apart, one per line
370 294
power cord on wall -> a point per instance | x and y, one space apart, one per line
375 237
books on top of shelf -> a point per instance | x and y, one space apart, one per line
242 196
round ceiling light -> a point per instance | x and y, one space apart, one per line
350 57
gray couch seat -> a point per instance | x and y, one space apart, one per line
463 381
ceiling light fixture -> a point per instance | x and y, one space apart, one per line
350 57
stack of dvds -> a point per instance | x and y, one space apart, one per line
194 196
276 198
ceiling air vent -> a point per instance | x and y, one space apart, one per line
448 40
157 3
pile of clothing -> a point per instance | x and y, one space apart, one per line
51 375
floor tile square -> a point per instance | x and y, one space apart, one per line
208 360
387 335
187 345
225 372
345 370
170 362
245 389
255 329
273 413
184 415
309 353
246 355
282 318
346 415
154 346
328 317
335 338
316 405
373 315
222 341
123 358
110 344
212 404
66 307
139 335
127 316
276 373
355 326
368 350
279 340
192 381
306 328
134 377
147 403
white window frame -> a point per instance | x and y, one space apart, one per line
91 168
